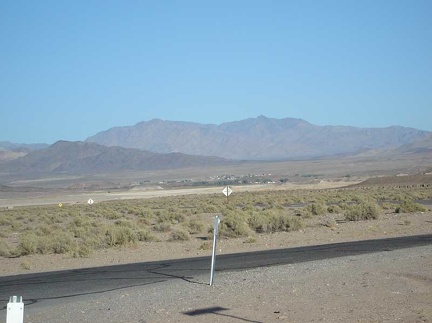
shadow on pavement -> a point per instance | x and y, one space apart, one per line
216 310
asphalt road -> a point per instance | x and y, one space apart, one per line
63 286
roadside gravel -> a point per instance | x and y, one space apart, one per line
393 286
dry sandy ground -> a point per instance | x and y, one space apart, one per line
23 198
391 286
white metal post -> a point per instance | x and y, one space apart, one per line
15 310
215 235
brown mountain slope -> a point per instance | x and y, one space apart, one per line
259 138
81 157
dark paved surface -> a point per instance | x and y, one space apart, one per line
67 284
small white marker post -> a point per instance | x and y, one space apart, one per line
215 235
15 310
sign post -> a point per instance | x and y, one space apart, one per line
215 235
227 191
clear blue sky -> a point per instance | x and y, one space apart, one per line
69 69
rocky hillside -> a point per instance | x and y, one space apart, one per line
259 138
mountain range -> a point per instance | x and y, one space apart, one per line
258 138
159 144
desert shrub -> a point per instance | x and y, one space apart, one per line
207 245
234 225
178 217
408 206
304 212
79 221
44 230
258 222
328 221
4 249
334 209
362 211
273 221
283 222
25 265
388 206
250 240
124 223
119 236
179 235
145 235
317 208
162 227
28 243
344 206
110 214
61 243
194 226
57 242
4 233
81 251
146 213
5 221
16 225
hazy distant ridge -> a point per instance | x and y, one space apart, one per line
258 138
81 158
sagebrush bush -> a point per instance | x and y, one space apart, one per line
362 211
145 235
81 251
194 226
234 225
409 206
283 222
258 222
317 208
4 248
28 243
179 235
25 265
61 243
207 245
120 236
334 209
250 240
162 227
